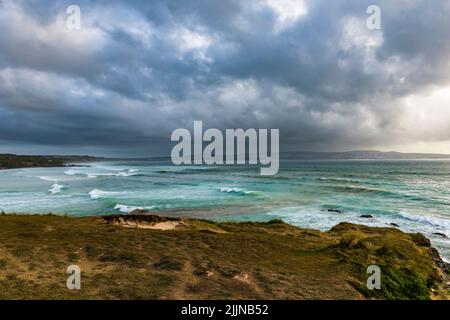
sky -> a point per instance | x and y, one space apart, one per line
137 70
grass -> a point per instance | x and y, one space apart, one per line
13 161
210 260
9 161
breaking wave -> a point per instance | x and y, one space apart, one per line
56 188
127 209
430 220
237 191
116 173
45 178
98 194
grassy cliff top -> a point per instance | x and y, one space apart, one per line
12 161
150 257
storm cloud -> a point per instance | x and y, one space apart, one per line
136 70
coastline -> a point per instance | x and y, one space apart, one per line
305 195
143 256
13 161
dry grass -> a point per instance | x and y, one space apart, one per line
207 260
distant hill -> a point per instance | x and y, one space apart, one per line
347 155
11 161
362 154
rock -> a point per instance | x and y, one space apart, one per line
335 210
434 254
394 225
439 234
367 216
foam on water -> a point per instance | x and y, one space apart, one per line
413 195
71 172
98 194
236 191
51 179
430 220
56 188
127 209
324 220
93 175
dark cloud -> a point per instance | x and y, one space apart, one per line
139 69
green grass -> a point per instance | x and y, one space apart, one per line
210 260
9 161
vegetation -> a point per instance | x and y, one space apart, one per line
12 161
130 257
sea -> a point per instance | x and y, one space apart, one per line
413 195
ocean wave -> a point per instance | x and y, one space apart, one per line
384 192
345 180
110 168
430 220
270 178
315 218
45 178
310 217
92 175
127 209
56 188
71 172
103 174
355 189
197 170
237 191
128 173
98 194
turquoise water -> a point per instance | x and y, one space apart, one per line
413 194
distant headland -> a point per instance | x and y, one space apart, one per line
13 161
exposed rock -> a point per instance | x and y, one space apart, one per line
439 234
367 216
434 254
335 210
394 225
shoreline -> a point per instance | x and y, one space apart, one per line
181 214
197 214
144 256
13 161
